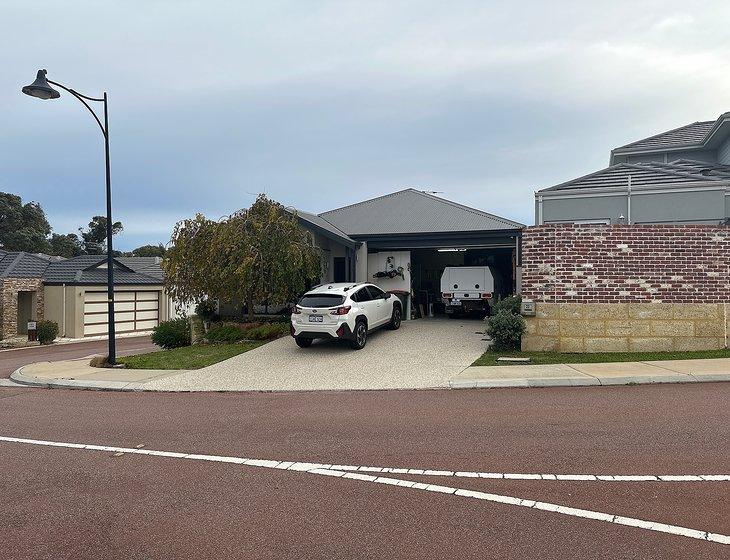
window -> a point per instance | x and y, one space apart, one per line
362 295
375 292
321 300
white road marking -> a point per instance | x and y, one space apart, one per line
328 470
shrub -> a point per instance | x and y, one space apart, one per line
225 333
100 361
172 334
506 330
268 331
47 331
510 304
206 310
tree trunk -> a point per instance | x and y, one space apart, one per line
249 305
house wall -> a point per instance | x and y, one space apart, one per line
626 288
698 206
668 157
377 262
9 288
723 152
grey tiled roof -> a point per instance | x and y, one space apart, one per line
687 135
83 270
413 211
19 264
649 174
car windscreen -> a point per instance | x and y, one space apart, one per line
321 300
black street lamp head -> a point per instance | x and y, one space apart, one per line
41 88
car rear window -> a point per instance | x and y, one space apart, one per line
321 300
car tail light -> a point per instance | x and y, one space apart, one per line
341 331
446 295
297 310
486 295
344 310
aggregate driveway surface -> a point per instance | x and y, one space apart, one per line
65 503
422 354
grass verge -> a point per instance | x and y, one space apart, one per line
188 357
489 358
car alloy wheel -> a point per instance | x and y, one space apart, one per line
396 319
361 335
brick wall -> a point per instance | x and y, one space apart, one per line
567 263
9 289
626 288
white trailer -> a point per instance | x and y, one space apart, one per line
467 289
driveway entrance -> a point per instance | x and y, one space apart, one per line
422 354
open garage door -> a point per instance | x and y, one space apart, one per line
133 311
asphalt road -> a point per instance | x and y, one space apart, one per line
76 503
10 360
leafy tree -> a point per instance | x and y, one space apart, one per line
257 254
67 245
94 238
23 227
149 251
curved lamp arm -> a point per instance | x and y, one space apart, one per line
82 98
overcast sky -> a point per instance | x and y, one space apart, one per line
325 103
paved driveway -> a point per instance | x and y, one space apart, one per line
422 354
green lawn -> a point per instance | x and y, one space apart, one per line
188 357
490 358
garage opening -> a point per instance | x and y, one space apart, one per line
427 266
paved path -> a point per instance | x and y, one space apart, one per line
66 502
10 360
612 373
421 354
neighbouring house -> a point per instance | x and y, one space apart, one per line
677 177
402 242
72 292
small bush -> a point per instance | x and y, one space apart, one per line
100 361
206 310
506 330
269 331
510 304
172 334
47 331
225 333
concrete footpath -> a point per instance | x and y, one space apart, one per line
614 373
77 374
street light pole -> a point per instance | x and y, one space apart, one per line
41 89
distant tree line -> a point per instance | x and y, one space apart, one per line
24 227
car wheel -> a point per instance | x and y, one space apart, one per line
395 318
360 336
303 342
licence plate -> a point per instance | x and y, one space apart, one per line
316 318
455 301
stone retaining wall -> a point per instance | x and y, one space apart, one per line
9 289
627 327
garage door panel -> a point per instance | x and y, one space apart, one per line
146 325
134 311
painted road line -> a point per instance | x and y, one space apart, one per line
327 470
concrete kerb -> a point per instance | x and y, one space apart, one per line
20 378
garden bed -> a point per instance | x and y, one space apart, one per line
489 358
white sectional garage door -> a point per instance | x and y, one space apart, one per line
133 311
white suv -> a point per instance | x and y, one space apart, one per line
347 311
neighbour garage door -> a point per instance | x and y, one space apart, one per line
133 311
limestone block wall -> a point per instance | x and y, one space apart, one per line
9 288
627 288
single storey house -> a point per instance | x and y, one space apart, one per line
72 292
403 241
677 177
